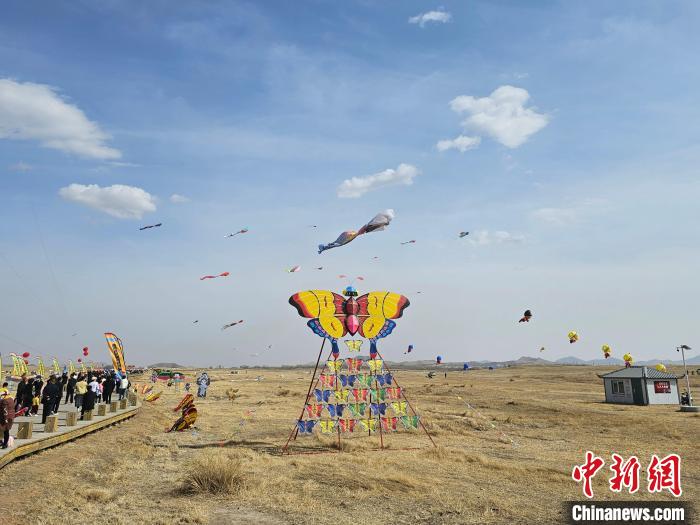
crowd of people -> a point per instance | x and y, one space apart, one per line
82 391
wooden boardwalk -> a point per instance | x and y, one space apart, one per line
42 440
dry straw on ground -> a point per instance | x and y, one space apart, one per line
505 457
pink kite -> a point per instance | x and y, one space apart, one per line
224 274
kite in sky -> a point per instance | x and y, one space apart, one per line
413 241
628 360
224 274
526 317
463 234
231 324
378 223
244 230
319 267
294 269
607 352
151 226
409 349
573 337
542 349
195 321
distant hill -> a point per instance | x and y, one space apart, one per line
165 365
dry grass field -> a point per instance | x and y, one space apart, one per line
506 457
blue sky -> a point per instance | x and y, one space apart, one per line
579 185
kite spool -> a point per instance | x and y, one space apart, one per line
71 419
24 430
113 406
101 410
51 424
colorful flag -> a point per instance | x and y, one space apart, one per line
116 351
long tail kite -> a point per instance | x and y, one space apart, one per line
151 226
244 230
116 351
223 274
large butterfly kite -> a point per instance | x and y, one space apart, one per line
334 316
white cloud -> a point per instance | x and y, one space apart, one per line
438 16
178 199
358 186
36 112
484 237
123 202
558 216
461 143
502 115
576 212
21 167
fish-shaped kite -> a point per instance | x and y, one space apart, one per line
244 230
223 274
231 324
151 226
334 316
378 223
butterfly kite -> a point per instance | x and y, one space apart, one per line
353 345
223 274
244 230
378 223
151 226
334 316
526 317
231 324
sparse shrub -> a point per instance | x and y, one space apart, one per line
98 495
214 474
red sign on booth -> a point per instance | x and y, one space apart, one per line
662 387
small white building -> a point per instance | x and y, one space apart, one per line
641 385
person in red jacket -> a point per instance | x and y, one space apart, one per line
7 415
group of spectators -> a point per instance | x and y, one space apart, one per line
83 394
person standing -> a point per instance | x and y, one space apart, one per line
108 388
7 416
52 392
21 387
81 388
123 386
70 388
89 397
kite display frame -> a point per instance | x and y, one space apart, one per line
313 383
